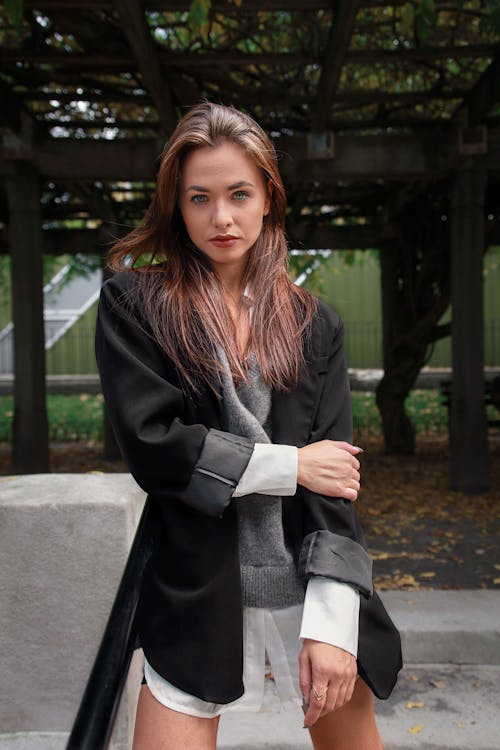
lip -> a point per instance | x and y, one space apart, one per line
224 240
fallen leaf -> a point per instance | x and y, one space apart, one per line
438 683
428 574
414 678
416 729
415 704
460 724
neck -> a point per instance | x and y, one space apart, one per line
231 279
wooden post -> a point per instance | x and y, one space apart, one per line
468 425
30 444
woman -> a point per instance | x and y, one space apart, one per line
227 390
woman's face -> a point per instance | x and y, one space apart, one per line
223 199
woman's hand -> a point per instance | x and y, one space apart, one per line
330 468
327 677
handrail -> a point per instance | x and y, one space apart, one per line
97 712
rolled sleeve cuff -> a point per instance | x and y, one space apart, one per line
222 461
331 614
324 553
272 470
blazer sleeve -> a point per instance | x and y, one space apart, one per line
169 459
333 545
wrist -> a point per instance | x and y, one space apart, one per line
301 475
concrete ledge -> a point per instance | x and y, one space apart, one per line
456 627
34 741
64 539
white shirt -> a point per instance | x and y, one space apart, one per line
331 608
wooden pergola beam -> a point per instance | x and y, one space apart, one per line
126 63
350 96
96 241
136 30
338 43
389 157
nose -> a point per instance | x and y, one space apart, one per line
222 216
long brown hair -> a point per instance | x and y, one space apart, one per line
182 296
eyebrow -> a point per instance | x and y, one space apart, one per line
234 186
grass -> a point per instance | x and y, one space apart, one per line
71 418
424 408
79 418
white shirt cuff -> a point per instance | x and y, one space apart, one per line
272 470
331 613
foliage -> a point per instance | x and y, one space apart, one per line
14 10
198 16
490 21
419 17
80 417
71 418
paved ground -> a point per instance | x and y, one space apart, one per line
434 707
447 696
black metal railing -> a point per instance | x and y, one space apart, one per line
94 721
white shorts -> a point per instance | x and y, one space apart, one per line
271 631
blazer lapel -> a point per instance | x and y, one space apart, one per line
293 412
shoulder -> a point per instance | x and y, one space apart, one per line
328 317
122 282
327 327
121 294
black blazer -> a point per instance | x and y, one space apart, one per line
177 448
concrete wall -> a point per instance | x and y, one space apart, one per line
64 539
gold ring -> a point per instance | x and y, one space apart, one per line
319 696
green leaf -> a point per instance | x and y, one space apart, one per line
198 16
425 19
490 21
407 18
14 10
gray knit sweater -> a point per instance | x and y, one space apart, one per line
268 575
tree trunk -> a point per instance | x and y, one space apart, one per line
399 433
415 294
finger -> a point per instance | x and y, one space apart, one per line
305 676
315 707
341 697
350 689
352 449
331 700
348 494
